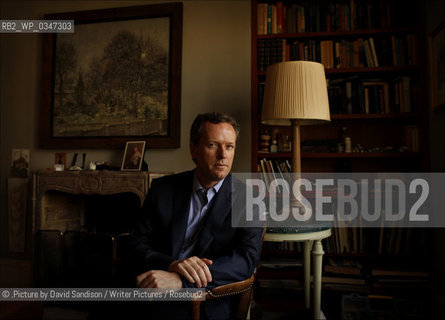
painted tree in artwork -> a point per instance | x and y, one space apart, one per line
130 69
155 63
65 65
79 92
155 79
122 71
95 86
124 85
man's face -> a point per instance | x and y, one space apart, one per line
214 153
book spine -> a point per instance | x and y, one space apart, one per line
406 93
260 18
349 97
374 54
274 19
366 99
395 59
290 19
280 17
368 54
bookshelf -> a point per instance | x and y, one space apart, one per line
376 80
374 60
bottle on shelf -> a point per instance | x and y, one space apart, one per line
348 145
274 147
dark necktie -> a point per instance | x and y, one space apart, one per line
202 194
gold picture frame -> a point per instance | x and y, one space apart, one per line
95 94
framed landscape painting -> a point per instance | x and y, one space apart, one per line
117 77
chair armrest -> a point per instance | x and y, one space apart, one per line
230 289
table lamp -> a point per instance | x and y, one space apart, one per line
295 94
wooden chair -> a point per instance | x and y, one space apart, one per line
242 288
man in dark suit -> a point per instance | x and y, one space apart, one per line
185 237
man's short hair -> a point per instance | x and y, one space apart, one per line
213 117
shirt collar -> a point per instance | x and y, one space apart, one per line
197 185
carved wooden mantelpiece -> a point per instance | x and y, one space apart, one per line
48 209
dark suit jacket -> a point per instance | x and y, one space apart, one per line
159 234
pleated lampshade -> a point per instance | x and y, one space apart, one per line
295 90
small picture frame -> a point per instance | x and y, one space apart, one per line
133 156
20 163
60 158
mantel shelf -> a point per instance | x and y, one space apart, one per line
64 215
92 182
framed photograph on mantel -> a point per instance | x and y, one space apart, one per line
133 156
116 78
437 64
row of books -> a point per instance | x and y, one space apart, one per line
400 278
378 52
273 168
372 96
309 16
358 53
350 271
382 241
366 96
342 272
349 274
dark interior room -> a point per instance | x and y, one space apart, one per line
337 101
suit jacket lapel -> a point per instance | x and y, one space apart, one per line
215 218
181 196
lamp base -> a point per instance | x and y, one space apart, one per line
303 212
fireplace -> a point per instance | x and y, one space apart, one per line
81 223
